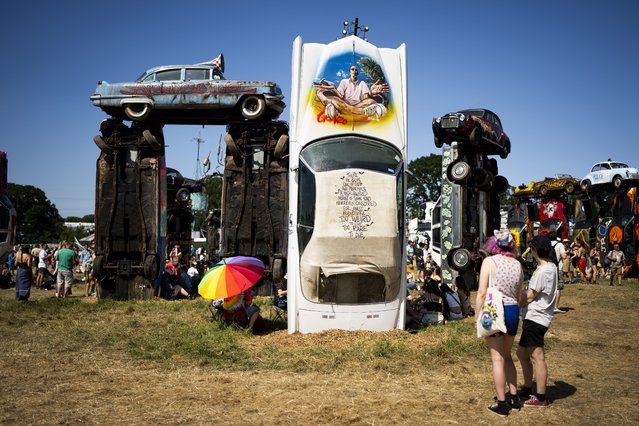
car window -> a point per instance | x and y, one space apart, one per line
619 165
169 75
475 112
217 74
605 166
148 79
196 74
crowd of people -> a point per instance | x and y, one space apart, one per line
50 266
580 262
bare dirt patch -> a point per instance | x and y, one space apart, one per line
83 362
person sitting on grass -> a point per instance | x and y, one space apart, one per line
242 311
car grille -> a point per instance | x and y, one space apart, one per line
448 122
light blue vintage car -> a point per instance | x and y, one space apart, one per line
189 94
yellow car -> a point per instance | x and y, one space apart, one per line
557 183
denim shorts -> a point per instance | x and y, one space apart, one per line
250 310
511 318
511 313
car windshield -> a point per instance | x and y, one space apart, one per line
475 112
352 152
618 165
144 74
173 173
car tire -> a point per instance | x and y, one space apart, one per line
278 270
617 181
183 195
501 184
252 107
151 267
438 142
543 190
281 147
503 154
459 259
458 171
99 141
98 267
137 111
475 137
585 185
570 188
234 150
151 140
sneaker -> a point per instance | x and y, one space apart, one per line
558 311
501 410
524 395
534 402
514 402
377 110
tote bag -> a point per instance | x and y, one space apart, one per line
491 315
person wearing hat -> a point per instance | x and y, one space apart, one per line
567 270
506 274
538 303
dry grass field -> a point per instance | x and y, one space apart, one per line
77 361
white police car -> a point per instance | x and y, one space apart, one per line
609 172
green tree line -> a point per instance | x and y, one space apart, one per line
39 219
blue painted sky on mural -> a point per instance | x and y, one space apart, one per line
562 75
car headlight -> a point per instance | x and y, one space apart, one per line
438 120
462 117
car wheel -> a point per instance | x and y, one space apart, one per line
137 111
438 142
501 184
475 137
98 267
543 190
281 147
99 141
503 154
151 267
459 259
253 107
585 185
458 171
278 270
617 182
183 195
232 146
570 187
151 140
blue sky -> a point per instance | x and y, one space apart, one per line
562 75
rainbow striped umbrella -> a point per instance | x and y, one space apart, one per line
230 277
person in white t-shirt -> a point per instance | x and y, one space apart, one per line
43 258
560 253
538 303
